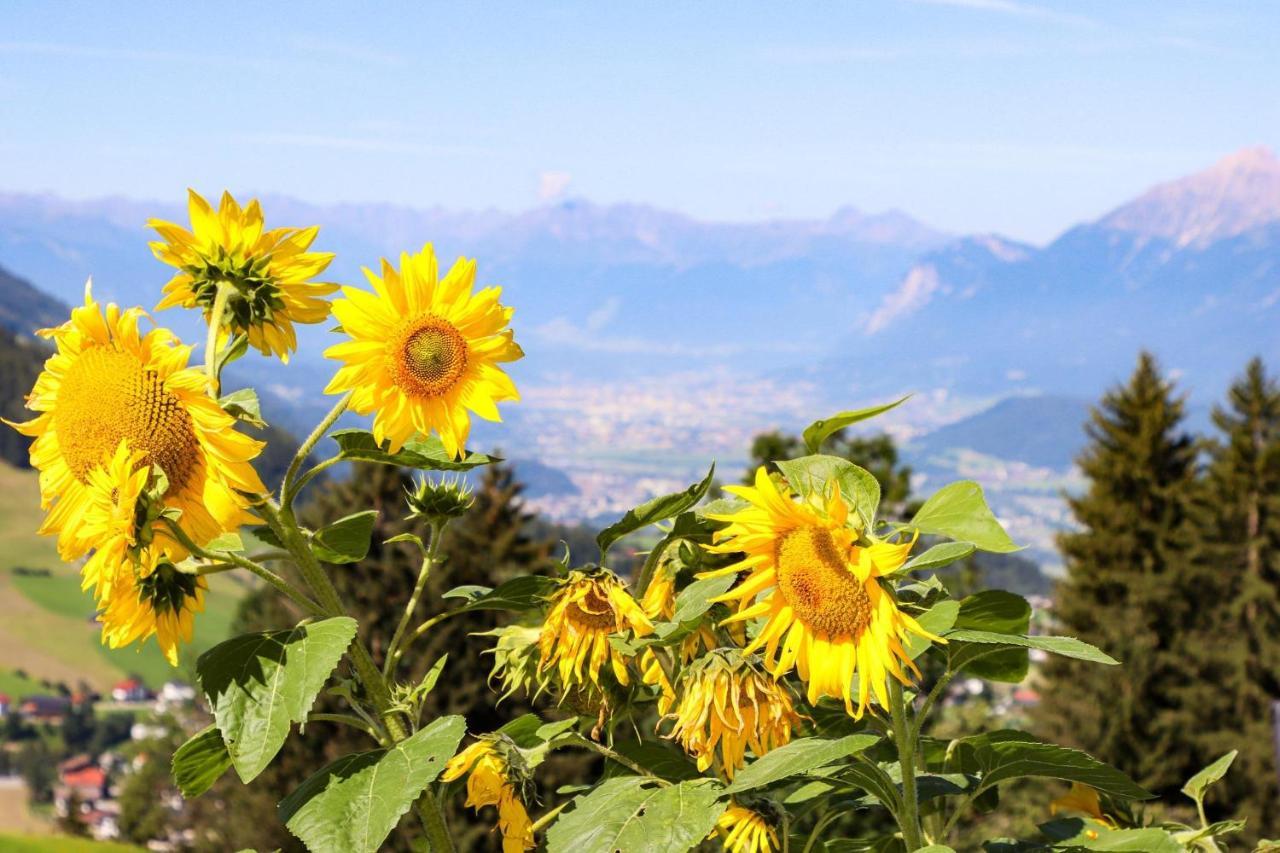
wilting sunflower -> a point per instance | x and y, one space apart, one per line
491 783
659 602
268 273
151 596
585 610
1084 800
826 611
425 351
745 830
110 522
109 383
726 701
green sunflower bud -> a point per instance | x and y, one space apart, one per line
439 500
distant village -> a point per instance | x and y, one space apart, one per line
71 753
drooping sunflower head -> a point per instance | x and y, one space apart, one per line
424 352
109 383
588 606
746 830
151 596
495 779
115 518
814 577
267 274
729 701
1084 800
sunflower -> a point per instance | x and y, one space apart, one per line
267 272
726 701
585 610
659 602
745 830
824 607
491 783
424 352
151 596
1084 800
107 383
110 522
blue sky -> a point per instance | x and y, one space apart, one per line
973 115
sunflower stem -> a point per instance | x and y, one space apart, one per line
542 822
288 488
220 300
428 561
909 818
282 520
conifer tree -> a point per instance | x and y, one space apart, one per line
1243 513
1131 588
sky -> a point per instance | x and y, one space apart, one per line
1015 117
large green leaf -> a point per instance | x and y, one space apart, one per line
999 760
519 593
199 762
994 611
1068 647
820 430
659 758
426 454
809 476
651 512
257 684
346 540
798 757
960 512
352 804
638 815
938 556
1075 834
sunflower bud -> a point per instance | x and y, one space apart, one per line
436 501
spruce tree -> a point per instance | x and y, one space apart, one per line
1130 588
1243 511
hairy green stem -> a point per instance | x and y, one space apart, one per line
282 520
348 720
279 583
428 561
909 819
220 300
542 822
288 488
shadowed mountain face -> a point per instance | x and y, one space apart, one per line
1190 269
23 308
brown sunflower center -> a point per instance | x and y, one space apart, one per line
593 610
429 357
815 580
107 395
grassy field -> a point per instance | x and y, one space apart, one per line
60 844
48 630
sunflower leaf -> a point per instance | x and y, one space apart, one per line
199 762
1068 647
797 758
810 476
1198 783
243 405
522 593
346 540
353 803
425 455
258 684
820 430
653 511
959 511
635 814
943 554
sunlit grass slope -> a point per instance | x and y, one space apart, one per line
48 629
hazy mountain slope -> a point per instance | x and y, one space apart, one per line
23 308
1190 269
1046 431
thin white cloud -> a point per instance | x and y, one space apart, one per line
553 185
563 332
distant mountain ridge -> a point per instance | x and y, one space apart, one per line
24 308
1190 269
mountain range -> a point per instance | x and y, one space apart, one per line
657 341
